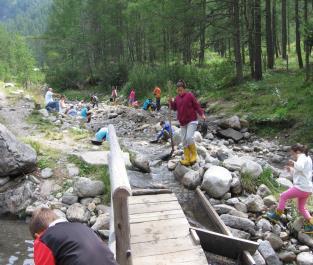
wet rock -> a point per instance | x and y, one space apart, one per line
103 222
69 198
4 181
287 256
264 225
274 240
16 200
140 163
77 213
305 239
180 171
46 173
216 181
263 191
239 233
238 223
191 179
268 253
232 122
258 258
16 158
85 187
254 203
231 134
171 165
251 168
305 258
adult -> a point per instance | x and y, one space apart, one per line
60 242
300 168
62 105
187 108
114 93
102 134
157 94
132 97
51 104
86 114
94 101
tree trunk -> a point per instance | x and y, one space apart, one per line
249 19
275 44
306 47
269 36
236 40
298 40
202 33
283 29
258 40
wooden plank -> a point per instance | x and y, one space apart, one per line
152 198
225 245
193 256
139 192
195 237
159 230
153 207
146 217
162 247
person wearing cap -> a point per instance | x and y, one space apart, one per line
188 109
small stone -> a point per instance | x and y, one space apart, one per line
269 201
46 173
268 253
241 207
91 207
69 198
284 236
264 225
287 256
305 239
304 249
254 203
263 191
274 240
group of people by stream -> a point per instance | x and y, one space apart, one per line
60 242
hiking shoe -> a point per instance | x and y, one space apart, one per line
308 228
273 216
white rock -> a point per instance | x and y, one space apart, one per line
305 258
254 203
198 137
46 173
251 168
44 112
285 183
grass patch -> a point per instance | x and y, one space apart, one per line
251 184
43 125
54 135
94 172
79 134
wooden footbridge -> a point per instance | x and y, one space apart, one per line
152 229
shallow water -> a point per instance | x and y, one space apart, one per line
16 244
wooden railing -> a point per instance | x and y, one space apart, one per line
119 241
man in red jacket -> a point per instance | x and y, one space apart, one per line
58 242
187 108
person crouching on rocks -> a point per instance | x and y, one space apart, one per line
60 242
187 108
300 168
102 134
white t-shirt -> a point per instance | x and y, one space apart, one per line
48 97
302 173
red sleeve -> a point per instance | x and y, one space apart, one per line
42 254
173 104
196 105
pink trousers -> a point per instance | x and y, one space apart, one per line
302 197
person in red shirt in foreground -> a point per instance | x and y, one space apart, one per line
60 242
187 108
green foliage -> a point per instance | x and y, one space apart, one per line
251 184
42 124
79 134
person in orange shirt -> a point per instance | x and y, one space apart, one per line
157 94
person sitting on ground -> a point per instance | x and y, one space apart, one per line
148 105
94 101
102 134
86 113
300 168
51 104
165 132
60 242
62 105
72 111
114 94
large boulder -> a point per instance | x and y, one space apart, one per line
254 203
232 122
216 181
85 187
305 258
77 213
268 253
231 134
191 179
239 223
16 200
180 171
274 240
140 163
251 168
16 158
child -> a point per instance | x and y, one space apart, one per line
132 97
114 94
86 114
301 170
94 101
102 134
165 132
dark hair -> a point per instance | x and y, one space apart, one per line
181 83
41 219
301 148
162 122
